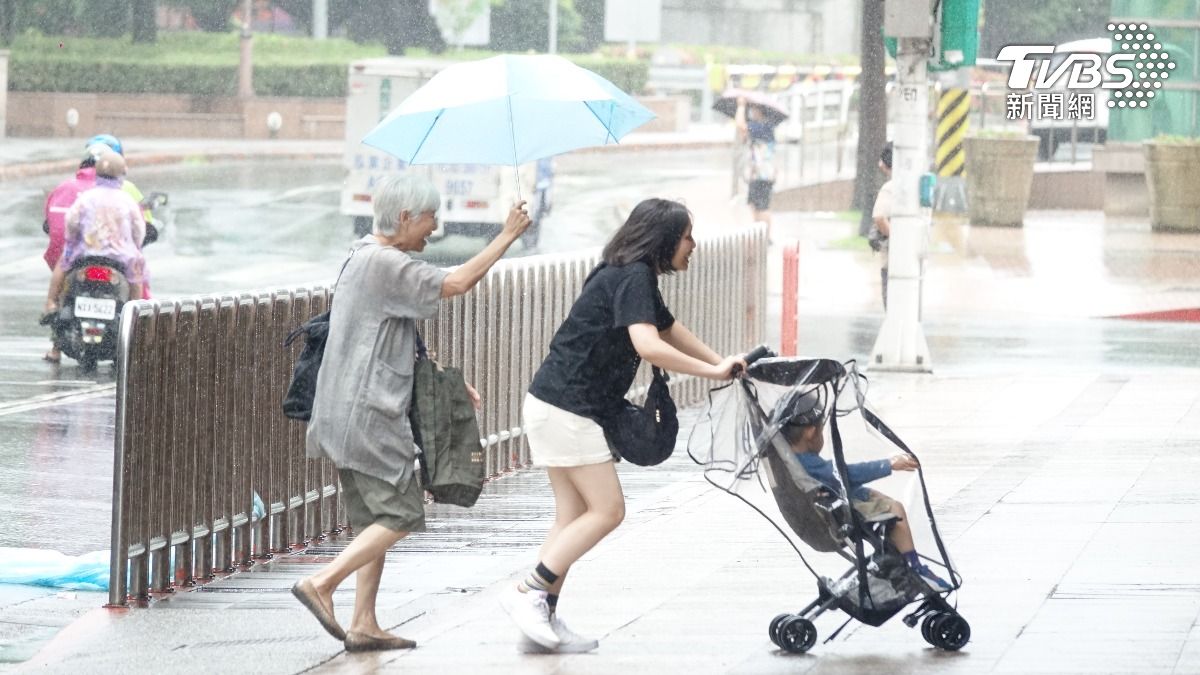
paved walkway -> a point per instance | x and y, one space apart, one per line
1065 499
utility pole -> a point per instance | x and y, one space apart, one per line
901 344
553 27
320 19
246 61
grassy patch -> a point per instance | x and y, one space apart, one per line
849 243
191 48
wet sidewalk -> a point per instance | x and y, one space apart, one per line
1066 500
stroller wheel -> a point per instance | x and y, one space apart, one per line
949 632
797 635
926 625
773 631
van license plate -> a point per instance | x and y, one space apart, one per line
95 308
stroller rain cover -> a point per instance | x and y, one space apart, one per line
748 443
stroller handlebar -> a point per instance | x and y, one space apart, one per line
759 352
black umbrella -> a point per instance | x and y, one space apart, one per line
772 112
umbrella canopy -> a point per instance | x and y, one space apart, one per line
507 109
773 112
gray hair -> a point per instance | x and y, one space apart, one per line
393 195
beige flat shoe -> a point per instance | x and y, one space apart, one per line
357 642
307 595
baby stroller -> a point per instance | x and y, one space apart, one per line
742 445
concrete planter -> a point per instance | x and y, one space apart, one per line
999 179
1171 170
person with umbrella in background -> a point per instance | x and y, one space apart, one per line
757 136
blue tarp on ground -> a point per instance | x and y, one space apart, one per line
87 572
39 567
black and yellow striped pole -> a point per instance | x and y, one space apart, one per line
953 108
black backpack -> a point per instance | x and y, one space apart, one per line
298 401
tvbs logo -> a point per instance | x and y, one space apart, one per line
1133 66
1083 71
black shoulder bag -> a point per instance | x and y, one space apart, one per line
298 401
645 435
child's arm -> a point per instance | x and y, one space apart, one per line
818 468
861 473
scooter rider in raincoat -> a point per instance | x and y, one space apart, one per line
63 197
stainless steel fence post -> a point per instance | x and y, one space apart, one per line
119 549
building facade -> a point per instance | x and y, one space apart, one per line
807 26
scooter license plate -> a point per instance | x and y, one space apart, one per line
95 308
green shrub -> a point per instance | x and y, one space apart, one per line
629 76
1170 139
199 64
999 133
205 64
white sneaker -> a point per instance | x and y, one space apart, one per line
531 614
570 642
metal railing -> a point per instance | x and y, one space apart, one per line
200 381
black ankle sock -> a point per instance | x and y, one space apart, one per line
545 573
552 601
540 579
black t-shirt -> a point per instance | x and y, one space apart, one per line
592 362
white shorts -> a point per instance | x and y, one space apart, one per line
560 438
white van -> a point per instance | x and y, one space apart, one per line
1052 132
475 198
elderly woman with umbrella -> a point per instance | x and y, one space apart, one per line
502 110
360 412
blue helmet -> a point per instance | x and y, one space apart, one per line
107 139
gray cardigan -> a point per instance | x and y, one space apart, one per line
364 388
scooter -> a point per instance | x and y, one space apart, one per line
94 291
85 326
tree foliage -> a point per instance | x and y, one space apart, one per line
456 16
104 18
591 24
211 16
398 24
144 21
524 25
1009 22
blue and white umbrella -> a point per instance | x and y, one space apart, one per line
507 109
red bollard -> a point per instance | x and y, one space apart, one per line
788 336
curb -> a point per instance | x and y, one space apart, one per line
29 169
15 171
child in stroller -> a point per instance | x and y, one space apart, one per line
760 441
804 429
